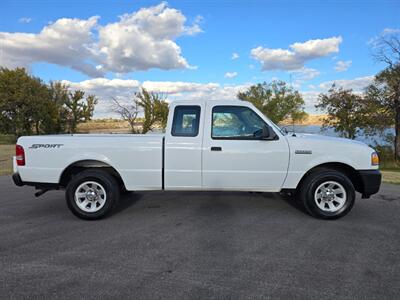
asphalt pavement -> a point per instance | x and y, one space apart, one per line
191 245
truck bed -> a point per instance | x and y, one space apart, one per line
138 158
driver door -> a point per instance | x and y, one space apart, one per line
234 158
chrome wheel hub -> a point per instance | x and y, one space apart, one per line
90 196
330 196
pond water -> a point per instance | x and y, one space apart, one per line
316 129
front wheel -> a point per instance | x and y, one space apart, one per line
92 194
327 194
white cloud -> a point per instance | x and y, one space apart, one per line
234 56
387 31
310 99
230 74
342 66
66 42
297 56
176 87
305 74
141 40
25 20
356 84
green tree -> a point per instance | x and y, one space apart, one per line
383 98
276 100
155 109
24 104
345 111
59 95
79 109
384 93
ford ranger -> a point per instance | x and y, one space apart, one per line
208 145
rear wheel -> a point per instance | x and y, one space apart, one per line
327 194
92 194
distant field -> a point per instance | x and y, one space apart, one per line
6 154
391 176
104 126
310 120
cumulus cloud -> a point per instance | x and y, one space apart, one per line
356 84
141 40
66 42
298 54
234 56
230 74
342 66
177 87
144 40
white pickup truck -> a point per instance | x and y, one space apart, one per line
208 145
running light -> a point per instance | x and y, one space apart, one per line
374 159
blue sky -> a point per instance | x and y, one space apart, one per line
195 51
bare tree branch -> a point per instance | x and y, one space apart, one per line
128 113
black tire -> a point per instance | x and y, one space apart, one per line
307 193
105 180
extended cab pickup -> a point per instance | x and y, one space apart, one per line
208 145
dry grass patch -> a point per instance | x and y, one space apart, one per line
6 154
391 176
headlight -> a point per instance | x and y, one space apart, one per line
374 159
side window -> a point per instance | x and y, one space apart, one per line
186 121
235 122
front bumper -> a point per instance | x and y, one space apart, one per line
371 182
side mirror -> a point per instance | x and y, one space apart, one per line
268 133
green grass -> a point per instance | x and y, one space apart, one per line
6 139
6 154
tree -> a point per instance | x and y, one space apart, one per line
384 93
24 104
128 113
59 96
152 105
345 111
276 100
155 109
384 96
79 109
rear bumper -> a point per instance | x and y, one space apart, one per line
371 182
17 179
38 185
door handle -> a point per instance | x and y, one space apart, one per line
216 149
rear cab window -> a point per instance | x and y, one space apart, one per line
186 121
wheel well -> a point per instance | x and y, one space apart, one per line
349 171
82 165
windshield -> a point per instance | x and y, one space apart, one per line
281 130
